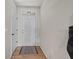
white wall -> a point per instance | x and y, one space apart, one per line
28 2
8 30
9 8
56 17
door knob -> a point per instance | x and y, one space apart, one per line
16 41
12 34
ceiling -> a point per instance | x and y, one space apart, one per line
28 2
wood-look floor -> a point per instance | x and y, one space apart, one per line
16 54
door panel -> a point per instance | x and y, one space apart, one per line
28 30
14 33
27 26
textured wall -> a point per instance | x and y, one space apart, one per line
56 17
9 9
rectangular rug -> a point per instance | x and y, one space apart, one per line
28 50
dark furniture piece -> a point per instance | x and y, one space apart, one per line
70 42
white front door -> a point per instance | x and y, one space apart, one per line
28 29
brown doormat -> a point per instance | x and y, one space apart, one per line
28 50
